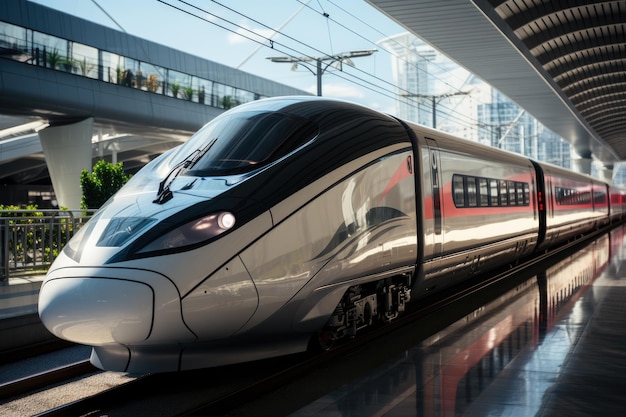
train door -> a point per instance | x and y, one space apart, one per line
549 198
434 211
541 196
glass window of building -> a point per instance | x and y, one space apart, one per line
176 81
225 96
245 96
205 91
112 67
152 77
85 60
36 48
55 51
13 39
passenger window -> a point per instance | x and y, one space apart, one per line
503 194
526 194
493 194
512 198
472 198
469 191
519 190
458 190
483 192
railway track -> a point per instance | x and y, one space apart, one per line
28 338
228 390
41 380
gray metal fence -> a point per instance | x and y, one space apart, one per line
30 240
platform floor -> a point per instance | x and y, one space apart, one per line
553 346
557 348
18 296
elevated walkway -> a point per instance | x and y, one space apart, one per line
87 82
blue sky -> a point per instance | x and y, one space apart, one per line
237 32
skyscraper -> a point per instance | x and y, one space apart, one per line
434 91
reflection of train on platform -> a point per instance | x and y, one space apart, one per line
478 355
618 262
291 221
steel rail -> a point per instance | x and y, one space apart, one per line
34 382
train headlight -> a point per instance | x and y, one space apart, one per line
225 220
193 232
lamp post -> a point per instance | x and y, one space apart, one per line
435 99
329 60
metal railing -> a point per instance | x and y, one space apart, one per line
30 240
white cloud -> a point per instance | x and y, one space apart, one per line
355 94
245 34
344 91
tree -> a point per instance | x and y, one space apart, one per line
101 184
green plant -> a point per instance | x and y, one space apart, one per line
228 102
68 64
99 185
6 211
175 89
26 235
120 75
53 58
188 93
84 67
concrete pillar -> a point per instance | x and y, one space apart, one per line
582 165
67 149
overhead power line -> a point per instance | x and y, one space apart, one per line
365 80
339 60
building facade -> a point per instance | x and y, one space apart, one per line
434 91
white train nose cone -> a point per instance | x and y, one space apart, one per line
97 311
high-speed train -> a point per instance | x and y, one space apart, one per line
293 220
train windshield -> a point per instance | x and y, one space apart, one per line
244 141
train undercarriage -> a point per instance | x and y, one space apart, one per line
365 305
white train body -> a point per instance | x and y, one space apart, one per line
289 219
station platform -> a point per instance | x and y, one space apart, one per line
553 346
19 295
19 320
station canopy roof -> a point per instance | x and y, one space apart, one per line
563 61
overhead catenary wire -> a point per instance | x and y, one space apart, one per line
274 45
109 16
273 34
354 32
378 86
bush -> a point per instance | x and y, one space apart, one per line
7 211
98 186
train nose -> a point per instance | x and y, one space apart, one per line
97 311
